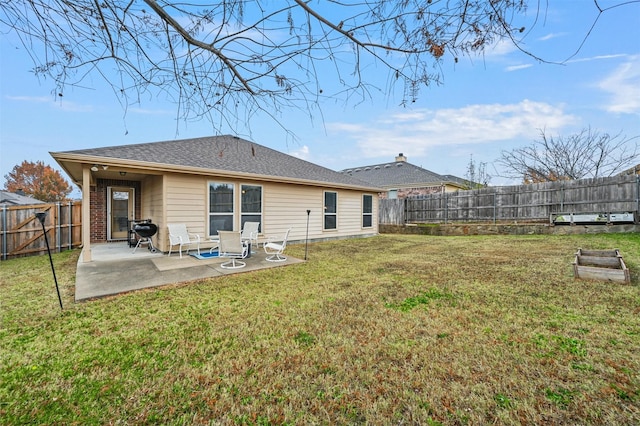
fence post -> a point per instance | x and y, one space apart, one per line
494 208
70 233
4 232
446 208
404 211
58 226
637 194
405 208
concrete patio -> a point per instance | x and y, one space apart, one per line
115 269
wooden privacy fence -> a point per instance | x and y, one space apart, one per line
533 202
21 232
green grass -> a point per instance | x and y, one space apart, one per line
394 329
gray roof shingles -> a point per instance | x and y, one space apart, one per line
395 174
13 199
225 153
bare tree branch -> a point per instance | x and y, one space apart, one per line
587 154
229 59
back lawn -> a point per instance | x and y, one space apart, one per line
393 329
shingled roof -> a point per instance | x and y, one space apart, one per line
398 174
216 155
16 199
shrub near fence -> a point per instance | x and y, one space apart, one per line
533 202
21 232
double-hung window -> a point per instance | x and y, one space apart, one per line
221 207
367 211
251 204
330 210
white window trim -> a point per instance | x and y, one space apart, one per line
367 214
261 214
234 209
324 213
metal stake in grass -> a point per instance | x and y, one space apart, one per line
41 216
306 241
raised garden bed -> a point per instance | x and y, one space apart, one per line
605 265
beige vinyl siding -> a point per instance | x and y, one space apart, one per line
451 188
185 202
283 206
349 212
152 204
286 206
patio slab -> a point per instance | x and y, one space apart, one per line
115 269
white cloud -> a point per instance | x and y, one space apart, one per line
551 36
419 131
302 153
597 58
518 67
32 99
502 48
57 103
623 86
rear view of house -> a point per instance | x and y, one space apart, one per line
215 183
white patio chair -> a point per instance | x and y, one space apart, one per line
232 247
178 236
250 234
274 247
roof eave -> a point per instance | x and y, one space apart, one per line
159 168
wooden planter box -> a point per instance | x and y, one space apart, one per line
603 265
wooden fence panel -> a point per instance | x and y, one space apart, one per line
21 232
391 212
534 202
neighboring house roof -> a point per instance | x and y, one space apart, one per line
221 155
12 199
632 171
456 179
400 174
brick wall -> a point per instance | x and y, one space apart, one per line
98 203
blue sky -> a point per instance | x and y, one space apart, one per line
487 104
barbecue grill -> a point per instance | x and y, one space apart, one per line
145 230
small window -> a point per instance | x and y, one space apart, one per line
221 208
251 204
330 210
367 211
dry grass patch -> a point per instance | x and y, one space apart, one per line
392 329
